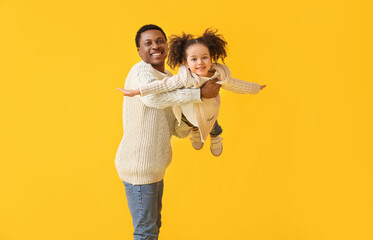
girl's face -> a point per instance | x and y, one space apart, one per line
198 59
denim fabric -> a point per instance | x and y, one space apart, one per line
216 130
145 204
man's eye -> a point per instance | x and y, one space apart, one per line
148 43
161 41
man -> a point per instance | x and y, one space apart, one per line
148 125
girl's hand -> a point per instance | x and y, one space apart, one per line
129 93
262 86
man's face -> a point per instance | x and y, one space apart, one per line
153 48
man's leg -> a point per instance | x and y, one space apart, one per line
145 204
160 195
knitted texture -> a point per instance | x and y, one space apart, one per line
148 124
184 78
180 80
206 112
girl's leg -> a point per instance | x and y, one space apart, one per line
196 139
216 130
195 136
216 146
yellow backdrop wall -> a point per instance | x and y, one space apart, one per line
297 161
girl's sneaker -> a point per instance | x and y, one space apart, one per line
216 145
196 139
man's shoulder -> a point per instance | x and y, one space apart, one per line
142 66
143 69
140 70
137 70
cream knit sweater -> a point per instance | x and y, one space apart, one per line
148 124
206 112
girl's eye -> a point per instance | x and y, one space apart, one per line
193 59
204 57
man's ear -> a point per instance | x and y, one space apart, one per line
138 49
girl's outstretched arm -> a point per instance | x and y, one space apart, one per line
129 93
167 84
236 85
239 86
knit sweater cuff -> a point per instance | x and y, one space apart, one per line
195 95
256 88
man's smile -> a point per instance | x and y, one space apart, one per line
153 48
156 54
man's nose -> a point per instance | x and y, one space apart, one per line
155 46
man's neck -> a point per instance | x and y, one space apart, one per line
159 68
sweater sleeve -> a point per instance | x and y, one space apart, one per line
239 86
167 84
165 99
235 85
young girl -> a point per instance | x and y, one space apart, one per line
197 59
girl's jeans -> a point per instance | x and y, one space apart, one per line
216 130
145 204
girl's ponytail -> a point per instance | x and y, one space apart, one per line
177 49
216 44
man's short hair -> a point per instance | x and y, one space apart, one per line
146 28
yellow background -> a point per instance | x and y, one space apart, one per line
297 160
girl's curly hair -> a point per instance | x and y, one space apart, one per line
213 41
176 49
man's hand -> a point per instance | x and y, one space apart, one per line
210 89
262 86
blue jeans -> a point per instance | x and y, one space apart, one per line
145 204
216 129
